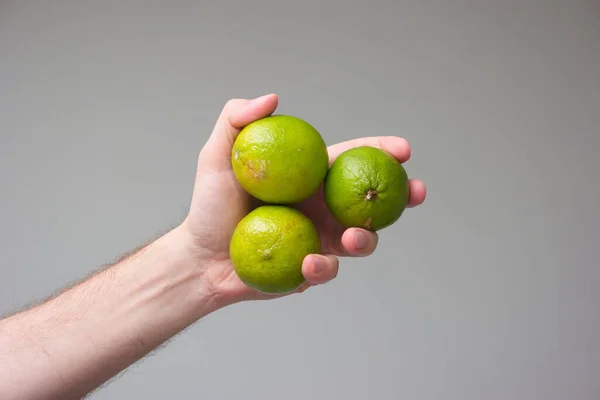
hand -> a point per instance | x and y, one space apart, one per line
219 203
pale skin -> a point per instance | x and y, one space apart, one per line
76 341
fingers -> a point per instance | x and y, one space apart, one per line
358 242
418 192
236 114
396 146
319 269
240 112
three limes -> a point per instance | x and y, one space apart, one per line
282 160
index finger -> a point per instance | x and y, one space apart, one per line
396 146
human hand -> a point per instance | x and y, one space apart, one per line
219 203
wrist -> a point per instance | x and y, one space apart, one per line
189 271
214 267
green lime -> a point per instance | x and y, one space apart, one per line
268 246
366 187
280 159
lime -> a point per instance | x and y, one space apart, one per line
268 246
280 159
366 187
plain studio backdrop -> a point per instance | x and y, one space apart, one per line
490 290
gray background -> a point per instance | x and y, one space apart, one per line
490 290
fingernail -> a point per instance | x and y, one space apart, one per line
319 265
360 240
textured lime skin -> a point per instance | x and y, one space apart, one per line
280 159
269 245
366 187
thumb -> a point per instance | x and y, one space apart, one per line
236 114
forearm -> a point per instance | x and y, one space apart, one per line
73 343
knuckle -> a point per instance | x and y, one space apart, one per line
231 104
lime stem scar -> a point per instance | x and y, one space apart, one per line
371 194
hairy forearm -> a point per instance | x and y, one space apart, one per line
73 343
